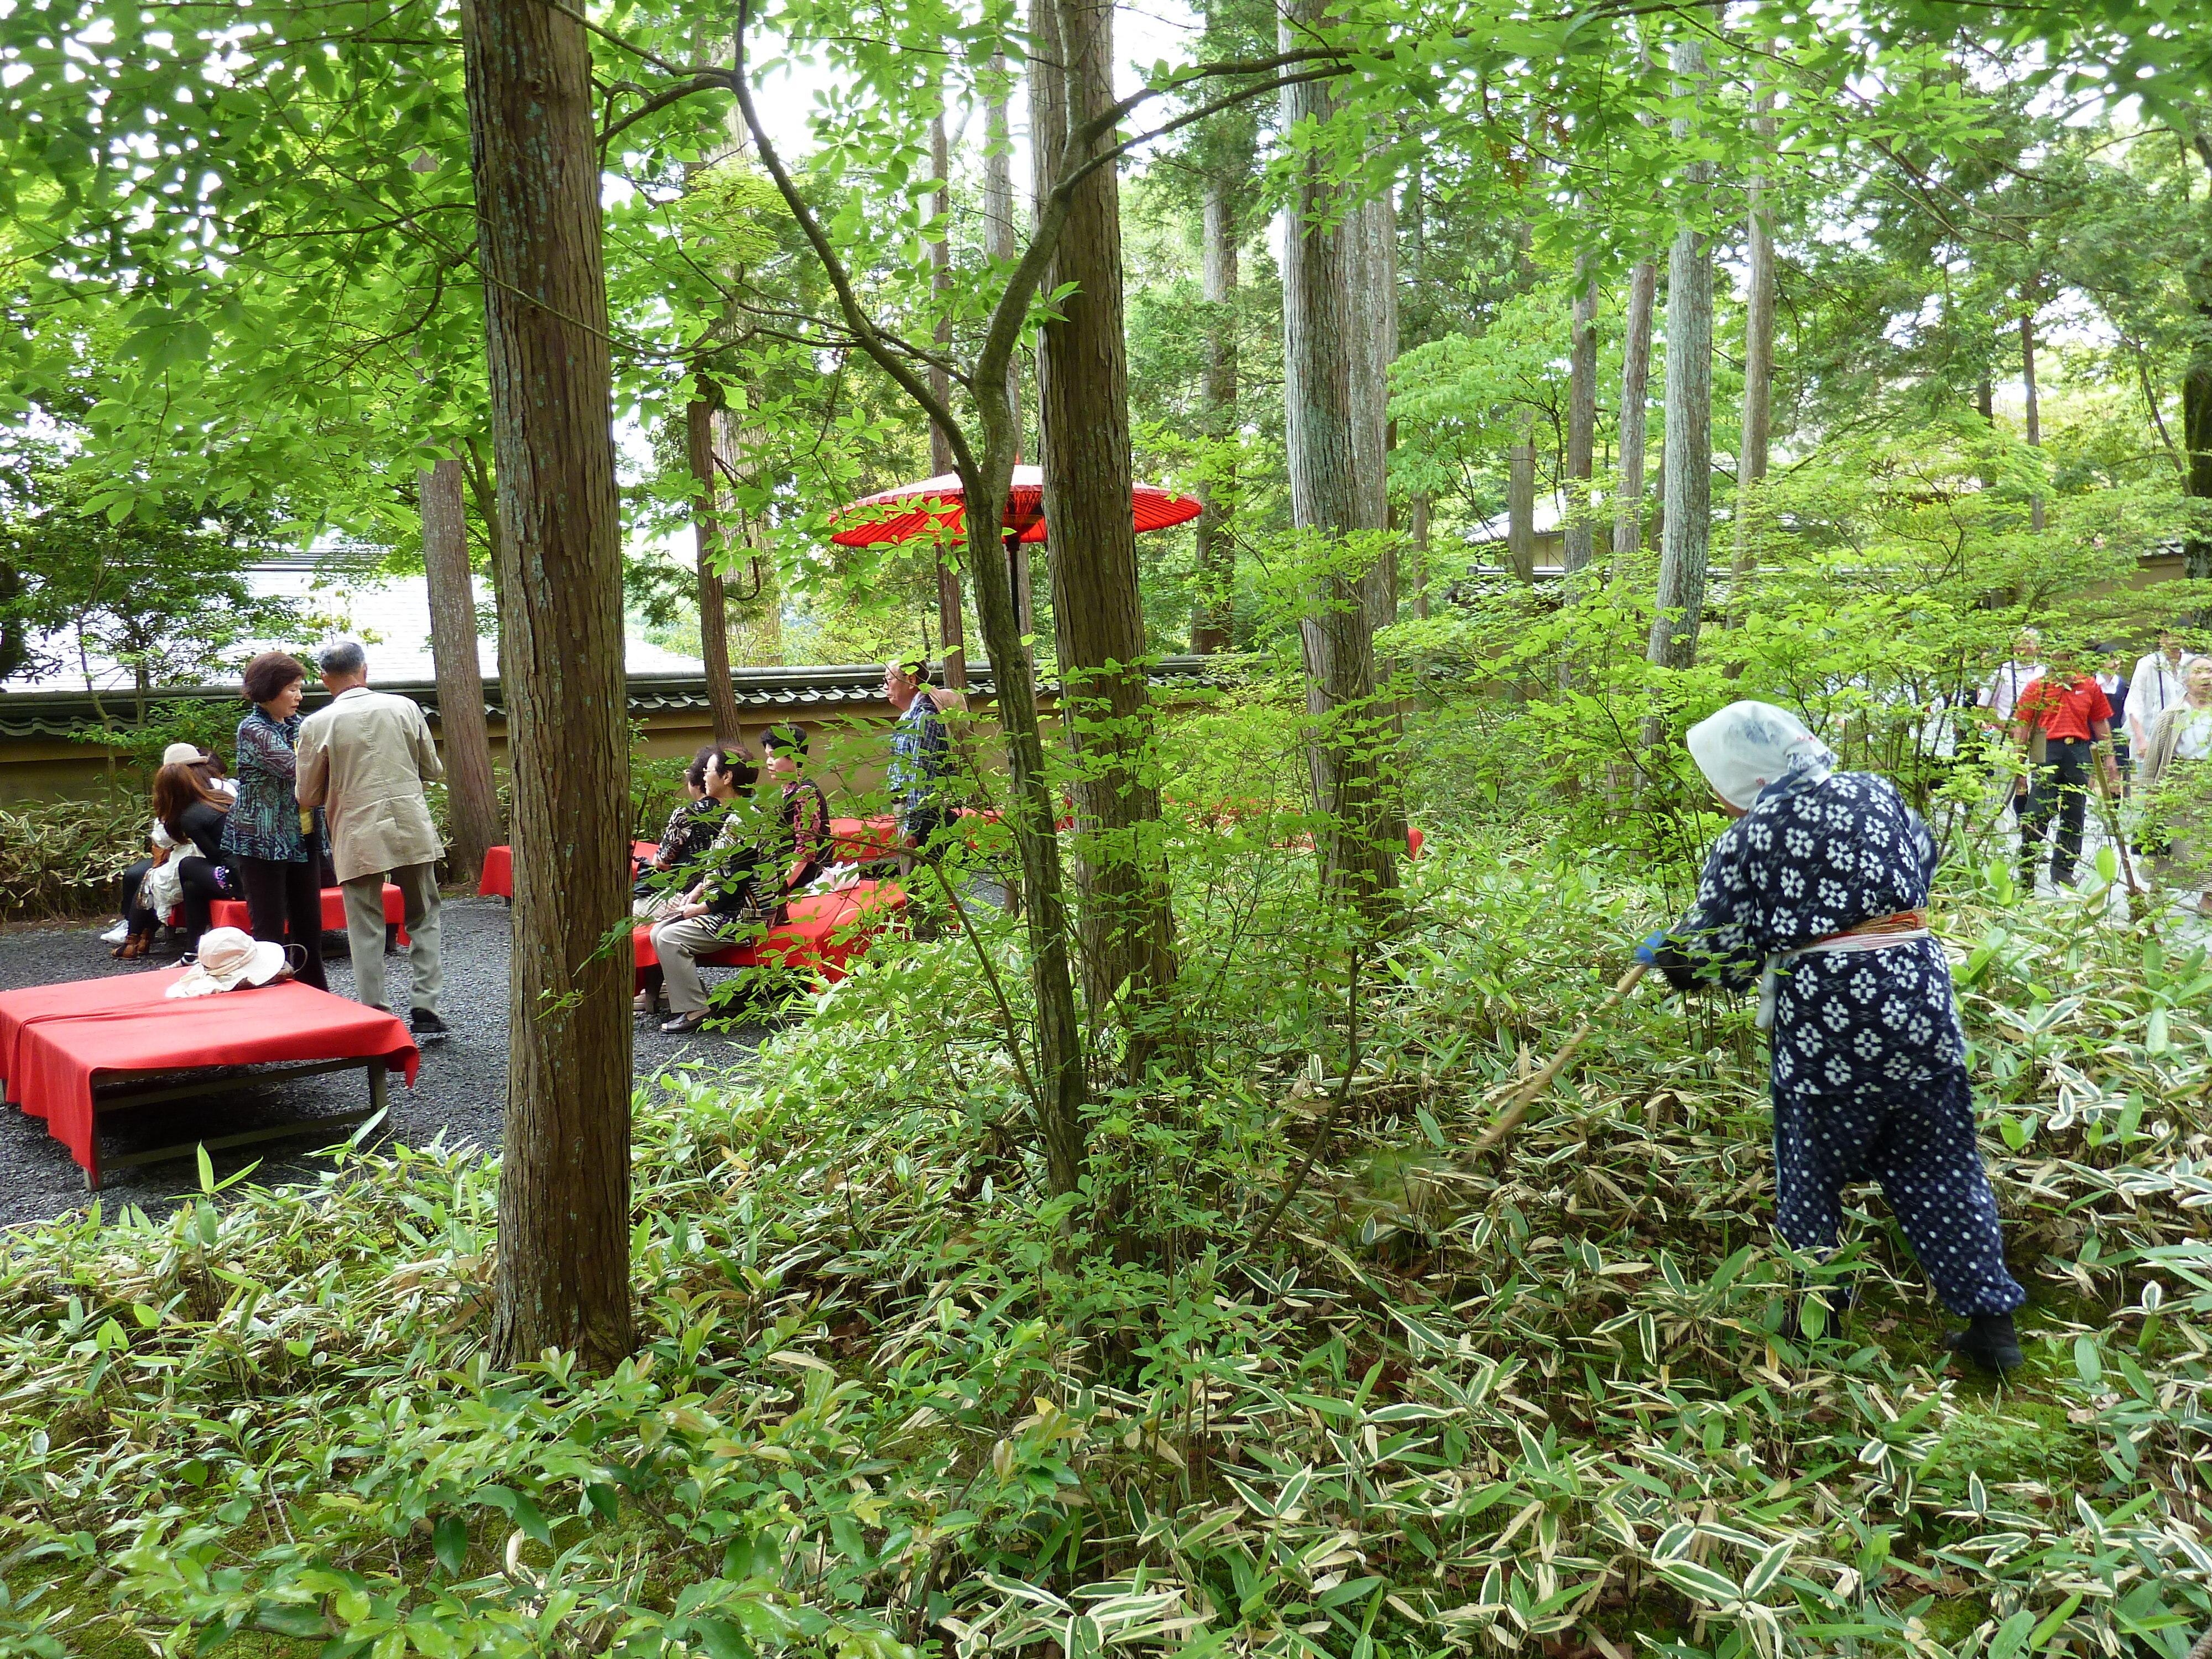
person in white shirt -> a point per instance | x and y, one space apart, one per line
2160 679
2002 695
2177 782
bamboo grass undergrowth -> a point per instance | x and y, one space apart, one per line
889 1397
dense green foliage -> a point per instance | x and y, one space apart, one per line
1444 1406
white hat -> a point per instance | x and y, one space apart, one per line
183 754
227 955
1748 746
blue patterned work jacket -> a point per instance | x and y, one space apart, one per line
1858 1024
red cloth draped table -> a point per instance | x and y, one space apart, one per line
233 913
61 1044
498 878
826 931
859 840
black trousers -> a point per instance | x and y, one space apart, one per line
285 899
2060 786
141 921
203 882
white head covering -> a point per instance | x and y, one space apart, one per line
1749 747
226 957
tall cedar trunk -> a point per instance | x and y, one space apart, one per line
1757 373
471 792
1582 428
951 629
999 243
2197 390
1215 612
1635 390
1324 268
1083 399
1521 502
755 612
1686 531
562 1279
2034 407
706 540
1372 433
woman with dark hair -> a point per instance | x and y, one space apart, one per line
801 851
275 844
194 817
697 830
727 906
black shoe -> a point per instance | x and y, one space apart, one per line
684 1024
1989 1341
428 1027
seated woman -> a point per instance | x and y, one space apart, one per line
728 905
691 831
133 937
802 843
194 817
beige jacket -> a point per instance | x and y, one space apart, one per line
364 760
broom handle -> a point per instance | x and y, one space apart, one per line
1519 1107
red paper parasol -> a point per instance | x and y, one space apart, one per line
914 509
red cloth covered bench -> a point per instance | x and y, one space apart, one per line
71 1054
826 931
233 913
859 840
497 880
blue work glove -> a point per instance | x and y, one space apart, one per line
1648 952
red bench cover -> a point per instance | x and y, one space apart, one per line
858 840
58 1041
825 932
234 913
497 880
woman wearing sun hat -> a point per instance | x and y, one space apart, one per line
1817 893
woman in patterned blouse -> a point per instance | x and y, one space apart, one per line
275 846
1816 893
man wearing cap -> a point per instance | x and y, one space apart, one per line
921 756
365 759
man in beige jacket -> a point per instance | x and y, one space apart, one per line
364 759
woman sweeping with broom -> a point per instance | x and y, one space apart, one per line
1816 892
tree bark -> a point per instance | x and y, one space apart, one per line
2197 438
1417 530
1217 491
1757 373
1635 389
1082 401
1521 502
2034 406
1000 243
952 628
562 1278
706 539
1324 263
1685 534
472 792
1582 428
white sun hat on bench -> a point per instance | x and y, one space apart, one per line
229 956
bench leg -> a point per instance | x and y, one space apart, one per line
376 1085
390 937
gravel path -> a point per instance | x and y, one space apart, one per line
461 1088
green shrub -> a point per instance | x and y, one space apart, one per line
64 858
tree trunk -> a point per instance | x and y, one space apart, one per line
562 1278
1685 534
1217 492
1000 243
1757 373
1324 266
2197 439
1582 428
1635 389
1082 400
707 539
1521 502
1417 529
471 792
951 628
2034 406
1372 434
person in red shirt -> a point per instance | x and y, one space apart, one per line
2065 713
